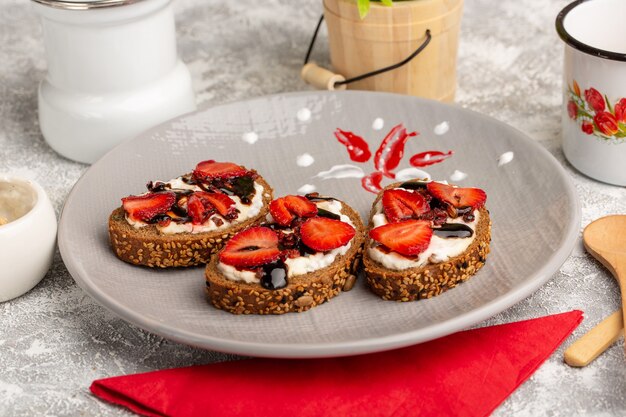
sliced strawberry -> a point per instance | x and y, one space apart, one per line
208 170
285 209
291 253
410 237
280 212
401 205
323 234
458 197
199 209
145 207
253 247
222 203
300 206
201 205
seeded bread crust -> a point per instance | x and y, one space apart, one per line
303 291
432 279
148 247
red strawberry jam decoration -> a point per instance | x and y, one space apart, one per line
410 237
357 148
210 170
251 248
427 158
458 197
401 205
285 209
371 182
201 205
146 207
391 150
323 234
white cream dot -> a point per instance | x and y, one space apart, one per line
305 160
458 176
306 189
505 158
303 114
441 128
250 137
378 123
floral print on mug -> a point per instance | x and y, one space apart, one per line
596 114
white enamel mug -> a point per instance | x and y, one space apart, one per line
28 230
594 87
113 72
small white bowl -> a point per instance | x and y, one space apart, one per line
27 241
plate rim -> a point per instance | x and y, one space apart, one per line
333 349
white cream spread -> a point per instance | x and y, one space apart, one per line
411 173
312 262
302 264
235 274
439 250
246 211
341 171
16 199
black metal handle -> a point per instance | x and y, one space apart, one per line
371 73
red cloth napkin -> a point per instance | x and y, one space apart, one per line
465 374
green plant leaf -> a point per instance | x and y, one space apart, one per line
620 134
387 3
609 104
364 7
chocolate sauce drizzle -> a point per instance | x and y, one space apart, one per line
413 185
242 187
328 214
274 275
318 197
453 230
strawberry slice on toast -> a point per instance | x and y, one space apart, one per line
323 234
409 237
252 247
210 170
400 205
457 197
146 207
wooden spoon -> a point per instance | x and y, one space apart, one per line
605 240
595 341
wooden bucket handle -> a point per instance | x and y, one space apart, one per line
322 78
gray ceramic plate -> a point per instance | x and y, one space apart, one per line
534 208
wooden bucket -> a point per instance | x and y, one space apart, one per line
390 34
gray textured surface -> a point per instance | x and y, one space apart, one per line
55 340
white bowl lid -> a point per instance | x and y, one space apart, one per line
84 4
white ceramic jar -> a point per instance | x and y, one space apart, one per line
28 230
594 87
113 72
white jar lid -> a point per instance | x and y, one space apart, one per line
84 4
